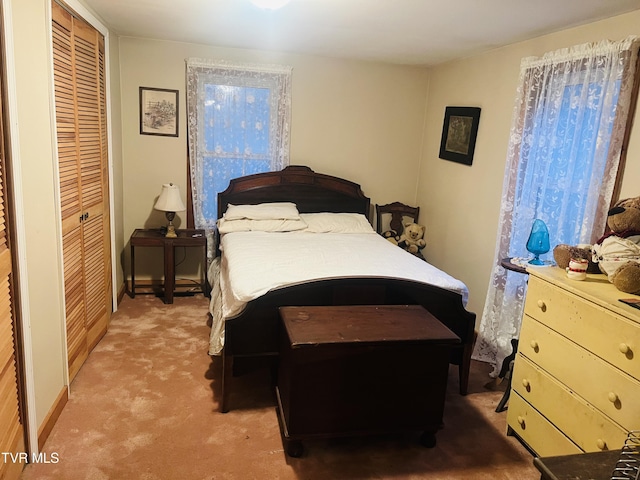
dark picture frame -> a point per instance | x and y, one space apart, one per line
459 133
158 112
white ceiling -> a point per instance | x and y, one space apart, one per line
418 32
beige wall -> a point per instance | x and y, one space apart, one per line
460 204
361 121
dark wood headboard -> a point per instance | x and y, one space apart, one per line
311 192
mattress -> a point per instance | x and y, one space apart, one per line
255 263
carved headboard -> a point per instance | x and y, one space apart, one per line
311 192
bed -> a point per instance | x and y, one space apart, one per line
302 266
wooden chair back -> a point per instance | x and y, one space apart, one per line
398 212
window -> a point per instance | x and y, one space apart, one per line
238 121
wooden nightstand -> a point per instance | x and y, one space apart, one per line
154 238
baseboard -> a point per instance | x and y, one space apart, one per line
52 417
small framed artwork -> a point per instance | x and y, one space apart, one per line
459 133
158 112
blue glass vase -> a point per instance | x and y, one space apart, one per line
538 242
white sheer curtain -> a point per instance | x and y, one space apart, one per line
239 118
566 137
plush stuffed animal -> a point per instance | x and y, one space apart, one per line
617 253
412 239
563 253
392 236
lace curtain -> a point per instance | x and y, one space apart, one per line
566 137
239 118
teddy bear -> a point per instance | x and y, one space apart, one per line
411 240
392 236
563 253
617 253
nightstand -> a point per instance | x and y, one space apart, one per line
154 238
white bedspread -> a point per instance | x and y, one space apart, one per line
255 263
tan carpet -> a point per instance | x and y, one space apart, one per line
145 406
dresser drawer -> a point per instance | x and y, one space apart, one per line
545 439
587 427
600 384
609 336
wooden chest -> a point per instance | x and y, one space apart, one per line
352 370
576 378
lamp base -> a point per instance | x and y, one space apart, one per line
171 232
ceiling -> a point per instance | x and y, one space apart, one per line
412 32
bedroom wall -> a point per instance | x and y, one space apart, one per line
357 120
460 204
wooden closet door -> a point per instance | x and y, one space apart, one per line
82 151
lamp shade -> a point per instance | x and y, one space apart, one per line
169 199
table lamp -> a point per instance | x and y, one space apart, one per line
170 202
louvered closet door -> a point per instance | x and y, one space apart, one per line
82 150
12 433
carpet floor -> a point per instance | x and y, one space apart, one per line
145 406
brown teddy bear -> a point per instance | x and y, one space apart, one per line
617 253
563 253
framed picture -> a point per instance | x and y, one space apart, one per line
459 133
158 112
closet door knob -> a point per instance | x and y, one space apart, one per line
613 398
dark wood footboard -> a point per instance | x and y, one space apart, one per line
255 332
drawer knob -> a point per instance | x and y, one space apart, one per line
601 444
624 348
613 398
521 421
541 305
534 345
526 384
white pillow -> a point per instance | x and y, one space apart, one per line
336 223
249 225
263 211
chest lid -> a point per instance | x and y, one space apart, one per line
364 324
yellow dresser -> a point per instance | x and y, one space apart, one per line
576 378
